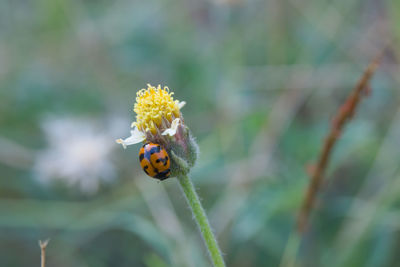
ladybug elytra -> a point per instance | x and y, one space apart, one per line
155 161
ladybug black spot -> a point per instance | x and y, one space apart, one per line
141 156
163 160
145 169
162 175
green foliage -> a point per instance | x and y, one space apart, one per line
262 80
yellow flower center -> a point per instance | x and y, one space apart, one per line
152 106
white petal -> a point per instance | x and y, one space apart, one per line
174 127
181 104
136 137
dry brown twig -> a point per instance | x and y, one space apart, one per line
344 114
43 245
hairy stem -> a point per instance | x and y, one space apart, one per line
201 220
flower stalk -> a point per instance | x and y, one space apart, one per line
201 220
169 147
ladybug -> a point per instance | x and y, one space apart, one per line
155 161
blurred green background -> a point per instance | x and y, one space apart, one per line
262 80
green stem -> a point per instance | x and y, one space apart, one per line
201 219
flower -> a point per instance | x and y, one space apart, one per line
159 120
157 114
78 154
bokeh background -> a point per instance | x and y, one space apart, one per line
262 80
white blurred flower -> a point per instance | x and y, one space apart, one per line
78 154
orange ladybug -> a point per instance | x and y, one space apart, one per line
155 161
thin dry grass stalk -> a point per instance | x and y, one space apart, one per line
344 114
43 245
